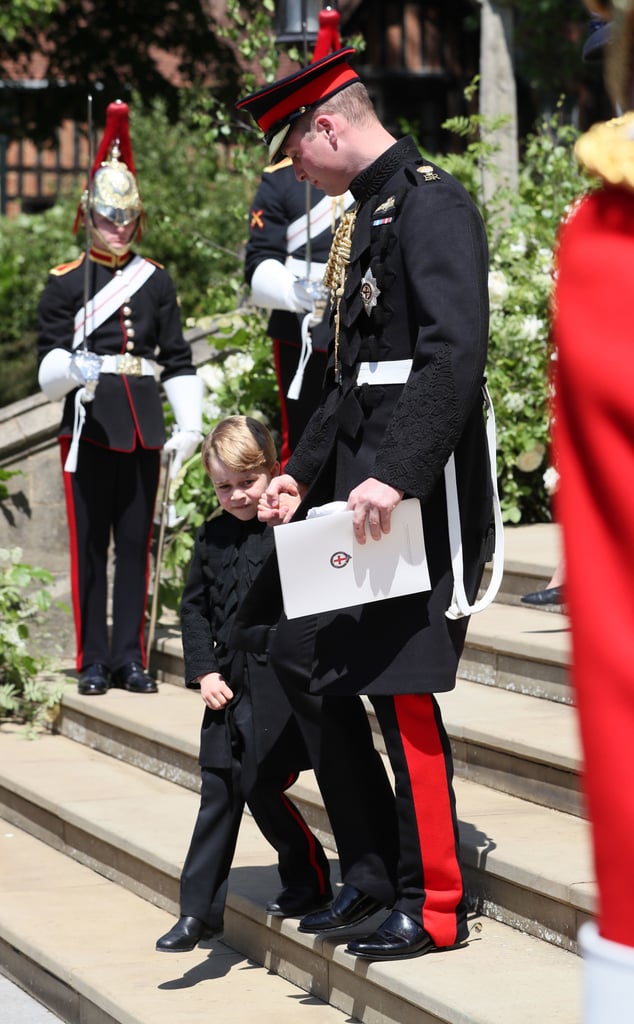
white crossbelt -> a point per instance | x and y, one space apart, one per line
108 299
396 371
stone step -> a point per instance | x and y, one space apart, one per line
84 944
525 864
521 746
531 554
521 649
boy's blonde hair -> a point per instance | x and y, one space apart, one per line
242 443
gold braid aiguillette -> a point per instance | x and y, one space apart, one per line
336 271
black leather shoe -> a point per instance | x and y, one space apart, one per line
132 677
551 595
93 680
294 901
398 937
185 935
350 907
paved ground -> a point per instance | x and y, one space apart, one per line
16 1007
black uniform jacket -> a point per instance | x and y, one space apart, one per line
281 200
420 244
126 409
228 555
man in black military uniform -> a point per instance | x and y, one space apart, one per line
403 400
105 322
291 227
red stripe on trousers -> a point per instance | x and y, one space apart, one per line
310 839
432 800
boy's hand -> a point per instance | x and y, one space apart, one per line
279 501
215 691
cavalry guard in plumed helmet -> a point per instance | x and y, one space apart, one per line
109 333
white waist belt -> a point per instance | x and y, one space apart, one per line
132 366
391 371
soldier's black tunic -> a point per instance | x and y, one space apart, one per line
279 202
112 493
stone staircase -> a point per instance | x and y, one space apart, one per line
96 820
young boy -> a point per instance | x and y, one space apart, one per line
250 748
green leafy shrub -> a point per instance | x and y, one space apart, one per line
239 378
522 228
24 598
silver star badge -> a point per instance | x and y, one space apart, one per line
369 291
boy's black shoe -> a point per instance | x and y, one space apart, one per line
294 901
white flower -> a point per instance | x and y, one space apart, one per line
212 376
212 409
532 326
551 479
518 248
238 364
514 402
498 288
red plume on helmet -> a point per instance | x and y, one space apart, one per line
328 39
112 187
117 131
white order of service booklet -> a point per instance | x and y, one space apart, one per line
322 567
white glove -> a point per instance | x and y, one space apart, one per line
185 395
61 371
273 286
183 443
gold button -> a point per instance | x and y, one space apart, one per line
129 346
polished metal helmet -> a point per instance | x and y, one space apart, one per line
115 193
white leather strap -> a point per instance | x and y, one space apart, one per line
320 220
109 298
460 606
295 386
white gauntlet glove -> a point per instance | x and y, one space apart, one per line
61 371
185 395
273 286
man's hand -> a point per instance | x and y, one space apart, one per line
372 503
214 691
280 500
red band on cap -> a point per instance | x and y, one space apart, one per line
308 95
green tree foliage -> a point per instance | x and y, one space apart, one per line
522 228
126 46
19 15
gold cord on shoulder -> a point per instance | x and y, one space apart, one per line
606 150
336 272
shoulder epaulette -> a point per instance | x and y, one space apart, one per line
428 172
63 268
156 263
286 162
